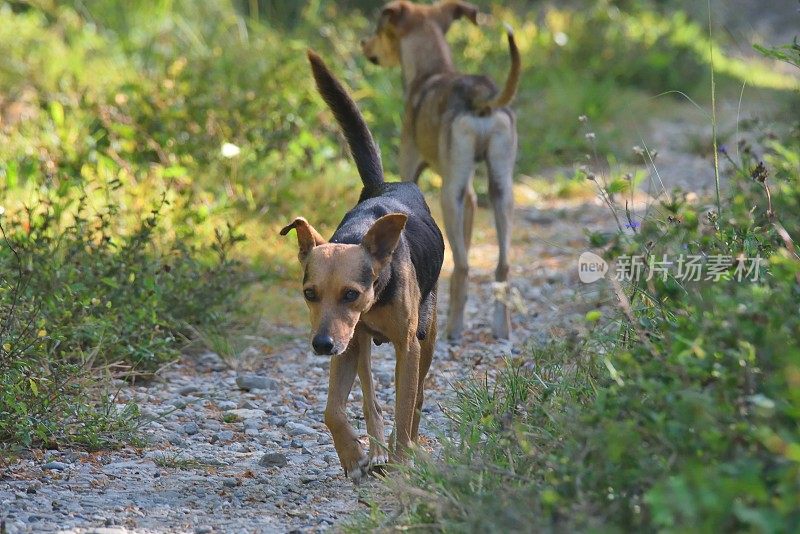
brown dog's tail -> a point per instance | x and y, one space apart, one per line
512 82
362 146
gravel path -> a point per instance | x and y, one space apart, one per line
248 451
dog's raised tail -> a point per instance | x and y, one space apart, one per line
362 146
512 81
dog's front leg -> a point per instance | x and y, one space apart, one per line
345 439
372 410
406 377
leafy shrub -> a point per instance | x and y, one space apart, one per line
76 297
109 256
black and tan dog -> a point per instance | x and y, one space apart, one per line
375 279
452 121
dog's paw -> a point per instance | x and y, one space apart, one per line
378 461
358 470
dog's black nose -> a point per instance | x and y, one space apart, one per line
373 59
323 344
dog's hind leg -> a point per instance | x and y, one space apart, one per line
342 375
470 205
410 161
500 162
425 357
461 165
427 312
406 379
372 410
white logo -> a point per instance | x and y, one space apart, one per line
591 267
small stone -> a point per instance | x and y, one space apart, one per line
191 428
205 529
230 482
246 413
277 421
150 415
298 429
212 362
55 466
188 390
13 527
250 381
252 423
385 377
273 459
224 435
226 405
252 432
175 439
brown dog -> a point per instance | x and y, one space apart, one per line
374 280
452 121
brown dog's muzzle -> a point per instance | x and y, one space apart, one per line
323 345
365 48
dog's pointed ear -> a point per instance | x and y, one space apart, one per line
307 237
452 10
381 240
394 14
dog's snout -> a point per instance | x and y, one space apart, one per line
373 59
323 344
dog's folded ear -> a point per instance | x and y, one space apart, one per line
307 237
394 13
381 240
453 10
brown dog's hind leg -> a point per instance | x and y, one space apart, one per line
410 162
453 202
345 439
500 164
406 377
425 358
427 311
470 205
372 410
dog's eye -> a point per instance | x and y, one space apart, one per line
310 294
351 295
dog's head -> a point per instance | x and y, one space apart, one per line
400 18
338 279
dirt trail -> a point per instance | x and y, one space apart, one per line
248 452
224 459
